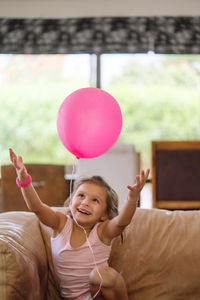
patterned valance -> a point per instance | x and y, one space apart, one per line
101 35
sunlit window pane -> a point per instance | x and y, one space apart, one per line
159 96
32 88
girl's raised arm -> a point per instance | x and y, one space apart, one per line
115 226
45 214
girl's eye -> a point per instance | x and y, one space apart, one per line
96 200
81 195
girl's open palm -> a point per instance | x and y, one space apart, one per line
135 189
17 162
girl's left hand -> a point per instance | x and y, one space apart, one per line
135 189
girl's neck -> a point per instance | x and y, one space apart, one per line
79 228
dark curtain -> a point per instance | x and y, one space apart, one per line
101 35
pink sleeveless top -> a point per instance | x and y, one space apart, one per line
74 265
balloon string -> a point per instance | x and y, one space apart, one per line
93 256
72 176
88 242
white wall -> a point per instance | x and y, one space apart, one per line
97 8
118 166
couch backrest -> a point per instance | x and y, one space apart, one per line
160 256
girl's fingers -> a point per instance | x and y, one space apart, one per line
140 180
22 170
143 177
13 158
131 188
11 154
20 159
15 163
137 179
147 174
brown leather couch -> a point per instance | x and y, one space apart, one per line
159 258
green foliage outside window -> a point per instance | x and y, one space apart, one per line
30 97
159 101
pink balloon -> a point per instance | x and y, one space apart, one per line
89 122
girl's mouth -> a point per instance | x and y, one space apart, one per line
82 211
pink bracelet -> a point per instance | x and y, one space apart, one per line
24 183
132 202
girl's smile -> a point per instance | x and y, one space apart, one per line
83 211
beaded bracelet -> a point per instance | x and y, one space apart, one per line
24 183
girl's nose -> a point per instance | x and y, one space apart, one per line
86 200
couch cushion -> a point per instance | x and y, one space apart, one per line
160 256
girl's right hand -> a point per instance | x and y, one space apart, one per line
19 166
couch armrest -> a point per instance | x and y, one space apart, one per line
23 260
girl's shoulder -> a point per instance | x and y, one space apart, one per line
100 230
63 219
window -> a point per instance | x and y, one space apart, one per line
32 88
160 100
159 96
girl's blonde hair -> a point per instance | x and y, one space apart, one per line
111 199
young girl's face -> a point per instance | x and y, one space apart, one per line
88 204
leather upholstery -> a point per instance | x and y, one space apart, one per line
159 258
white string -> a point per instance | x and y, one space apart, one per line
88 242
73 172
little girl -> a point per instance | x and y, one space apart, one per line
81 243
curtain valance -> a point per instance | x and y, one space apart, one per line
101 35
